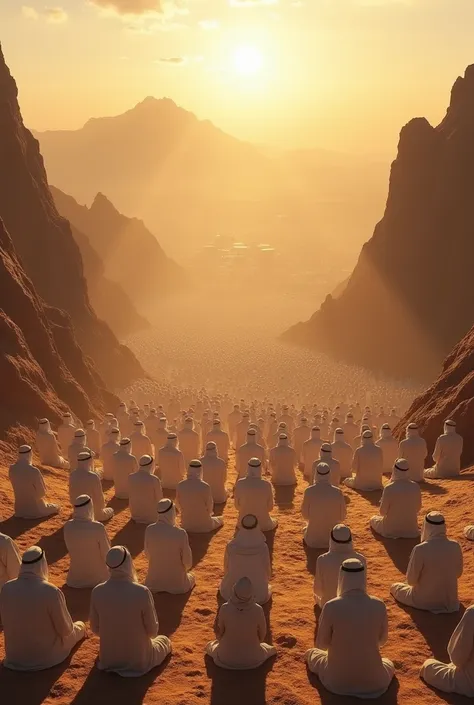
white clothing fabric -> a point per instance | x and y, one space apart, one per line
38 629
399 506
144 492
328 564
221 439
367 466
189 443
141 444
28 488
447 454
107 454
254 495
351 430
48 449
241 629
194 500
352 666
301 434
325 456
247 555
124 464
214 472
458 675
93 438
415 451
9 560
87 544
77 446
389 446
123 615
66 433
171 466
310 452
169 554
283 462
159 435
241 430
435 566
250 449
84 480
323 507
343 453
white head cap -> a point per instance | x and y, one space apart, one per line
120 564
340 539
33 562
434 526
400 470
166 512
195 470
352 576
83 508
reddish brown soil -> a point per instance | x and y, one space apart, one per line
187 678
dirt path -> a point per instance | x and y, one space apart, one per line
187 678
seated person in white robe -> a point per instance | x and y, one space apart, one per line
169 554
171 466
399 506
38 629
329 564
141 443
247 555
107 454
10 560
194 500
325 456
77 446
389 446
351 430
66 431
254 495
458 675
414 449
220 438
93 437
48 449
124 465
343 453
367 466
124 618
351 630
84 480
214 472
144 492
87 544
323 507
435 566
159 433
447 453
28 488
240 631
301 434
250 449
283 462
189 441
311 451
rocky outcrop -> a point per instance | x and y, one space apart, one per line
450 396
409 299
44 243
131 255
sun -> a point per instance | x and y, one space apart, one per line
247 60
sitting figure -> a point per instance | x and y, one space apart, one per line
10 560
87 544
399 506
323 507
48 448
447 453
367 466
328 564
29 489
194 500
144 492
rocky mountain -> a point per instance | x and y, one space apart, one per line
46 248
130 254
409 299
450 396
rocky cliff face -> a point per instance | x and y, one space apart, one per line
451 396
131 255
409 299
44 243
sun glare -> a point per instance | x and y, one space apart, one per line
247 60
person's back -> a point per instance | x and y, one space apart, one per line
414 449
214 472
343 453
254 495
194 499
144 492
141 443
85 481
124 465
283 462
77 446
87 544
367 466
9 560
250 449
189 441
399 507
171 466
311 450
301 434
107 454
351 430
334 465
389 446
323 507
93 437
220 438
241 430
328 564
28 487
447 453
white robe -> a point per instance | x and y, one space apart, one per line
123 615
169 556
66 433
93 440
447 456
29 491
124 465
241 432
334 467
214 472
247 556
399 507
144 493
141 445
458 675
301 434
86 481
310 452
87 544
48 450
283 463
10 560
76 447
323 507
432 575
189 444
194 499
241 630
367 466
389 447
414 450
351 431
107 455
248 450
254 495
171 466
221 439
328 565
343 453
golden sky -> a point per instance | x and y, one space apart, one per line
336 74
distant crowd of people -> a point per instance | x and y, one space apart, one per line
144 451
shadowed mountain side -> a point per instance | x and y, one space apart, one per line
44 243
450 396
409 299
130 253
39 376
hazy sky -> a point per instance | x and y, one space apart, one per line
337 74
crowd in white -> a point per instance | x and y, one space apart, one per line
145 451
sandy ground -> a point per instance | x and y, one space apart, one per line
188 678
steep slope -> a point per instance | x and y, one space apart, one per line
44 243
409 299
130 254
450 396
42 369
